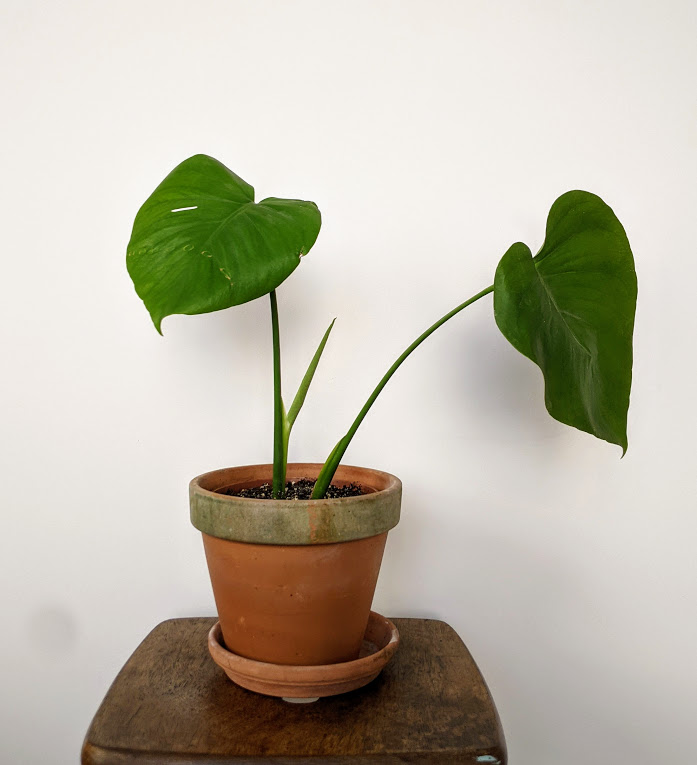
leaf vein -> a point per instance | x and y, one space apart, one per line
561 315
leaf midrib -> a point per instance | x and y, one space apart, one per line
225 221
561 315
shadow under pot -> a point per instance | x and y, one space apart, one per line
293 580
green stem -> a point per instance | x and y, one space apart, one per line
329 468
279 451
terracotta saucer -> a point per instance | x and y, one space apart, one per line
310 682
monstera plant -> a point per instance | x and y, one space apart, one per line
294 581
201 243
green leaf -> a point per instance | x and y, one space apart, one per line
200 243
571 310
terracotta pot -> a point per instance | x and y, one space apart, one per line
293 581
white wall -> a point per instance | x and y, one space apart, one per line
432 135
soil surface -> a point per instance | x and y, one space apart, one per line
300 489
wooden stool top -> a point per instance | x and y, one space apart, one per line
171 704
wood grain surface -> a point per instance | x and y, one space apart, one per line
171 704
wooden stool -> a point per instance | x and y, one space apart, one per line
171 704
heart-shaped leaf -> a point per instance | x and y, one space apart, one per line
200 243
571 310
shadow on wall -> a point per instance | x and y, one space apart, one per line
53 631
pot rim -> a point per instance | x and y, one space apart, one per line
296 522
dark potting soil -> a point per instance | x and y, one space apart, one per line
300 489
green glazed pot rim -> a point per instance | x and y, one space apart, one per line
296 522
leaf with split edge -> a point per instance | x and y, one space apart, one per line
200 243
570 309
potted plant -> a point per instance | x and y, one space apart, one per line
293 580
